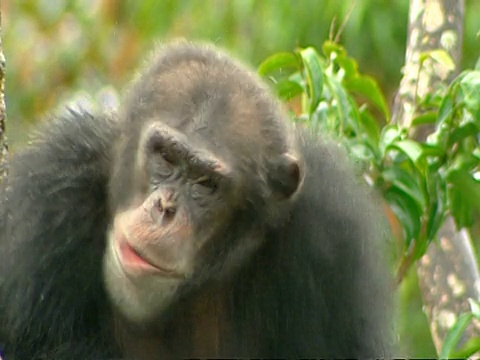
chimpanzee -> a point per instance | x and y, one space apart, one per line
195 221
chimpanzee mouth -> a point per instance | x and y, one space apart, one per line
133 262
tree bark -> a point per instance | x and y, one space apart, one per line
448 272
3 139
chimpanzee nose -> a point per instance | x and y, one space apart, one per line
165 205
167 208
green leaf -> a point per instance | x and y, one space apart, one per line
464 197
436 186
349 67
412 149
287 89
431 150
314 75
319 119
278 61
360 151
471 347
474 308
476 153
446 109
343 105
477 64
389 134
465 161
370 127
425 118
440 56
406 210
407 182
329 47
461 132
366 86
470 86
454 335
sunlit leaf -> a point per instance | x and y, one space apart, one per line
287 89
474 308
349 67
425 118
412 150
470 85
389 134
441 57
343 104
314 75
361 151
369 88
471 347
330 47
278 62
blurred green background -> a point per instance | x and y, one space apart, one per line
54 48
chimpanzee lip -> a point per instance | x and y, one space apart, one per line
132 260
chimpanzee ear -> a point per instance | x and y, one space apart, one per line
285 176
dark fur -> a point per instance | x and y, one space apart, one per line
315 288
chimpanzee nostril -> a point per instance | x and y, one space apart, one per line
164 208
159 205
169 212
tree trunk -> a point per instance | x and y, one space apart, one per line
448 272
3 139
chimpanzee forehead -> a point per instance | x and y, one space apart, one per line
215 102
218 110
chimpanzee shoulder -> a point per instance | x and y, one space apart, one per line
325 256
54 214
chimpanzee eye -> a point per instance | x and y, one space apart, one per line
161 165
203 186
207 182
167 157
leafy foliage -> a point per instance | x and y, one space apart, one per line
421 182
472 345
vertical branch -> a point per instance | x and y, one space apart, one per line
433 25
3 139
448 272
